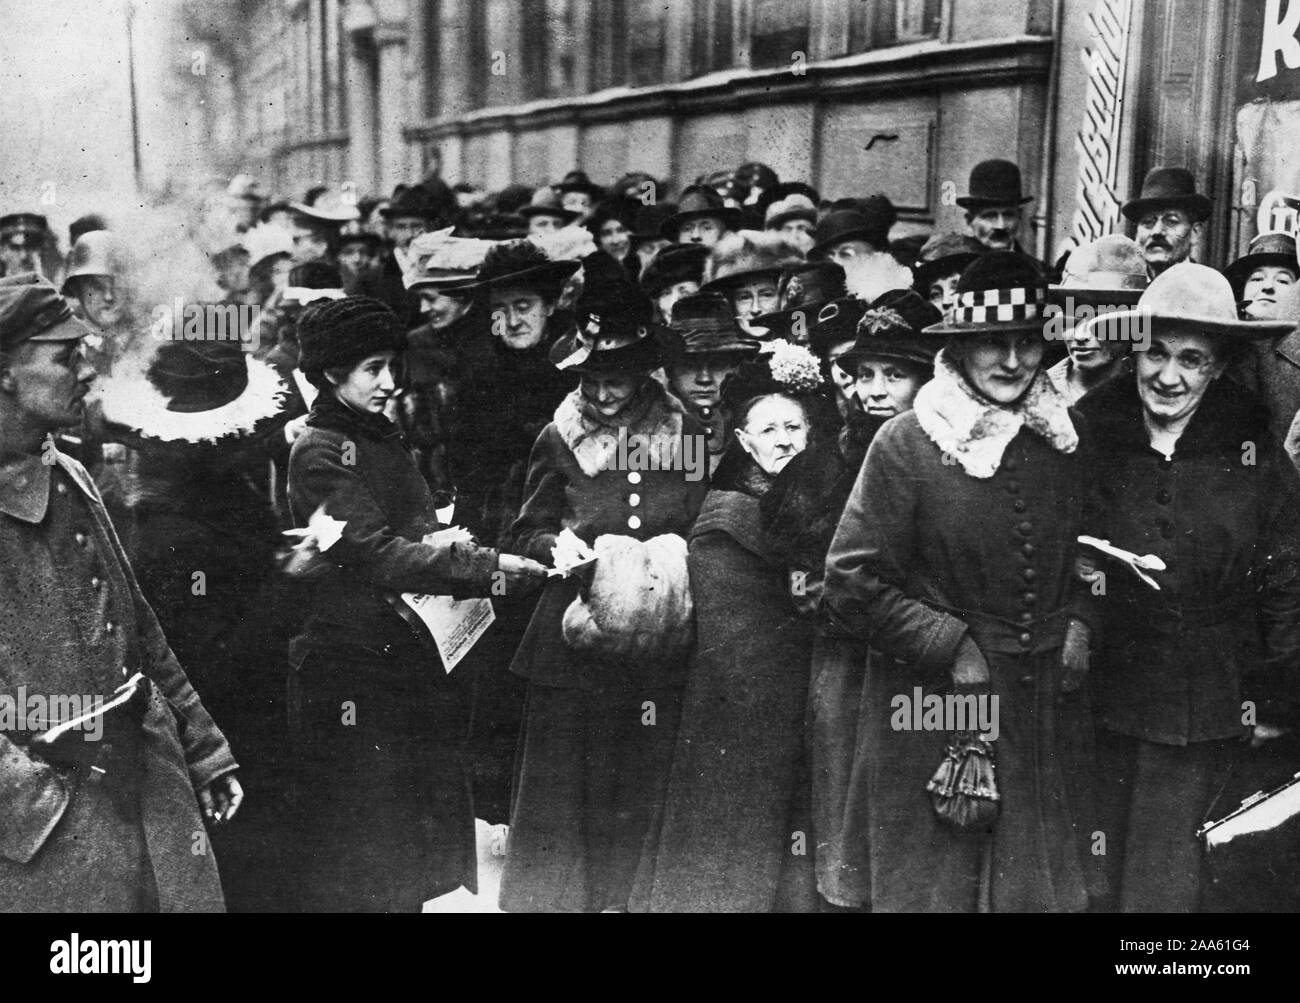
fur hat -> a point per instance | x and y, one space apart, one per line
522 263
342 332
745 256
789 208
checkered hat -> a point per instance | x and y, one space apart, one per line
999 291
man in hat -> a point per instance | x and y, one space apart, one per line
544 213
701 218
317 221
858 241
675 271
647 230
358 252
1169 215
21 236
795 218
802 290
703 348
1100 277
993 204
411 213
97 279
112 820
938 267
579 195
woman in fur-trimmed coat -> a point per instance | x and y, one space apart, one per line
597 736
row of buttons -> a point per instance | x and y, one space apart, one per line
96 583
633 500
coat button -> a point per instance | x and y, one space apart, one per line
1026 680
1026 618
95 583
108 627
1026 639
1030 598
1029 574
80 538
634 500
1027 549
61 488
1163 497
1009 463
634 522
1026 528
634 477
1018 505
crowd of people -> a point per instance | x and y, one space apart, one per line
740 476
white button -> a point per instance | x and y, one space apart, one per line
61 488
108 627
634 477
80 538
126 671
634 500
634 522
95 583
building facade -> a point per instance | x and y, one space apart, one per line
856 96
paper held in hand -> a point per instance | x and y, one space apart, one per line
456 625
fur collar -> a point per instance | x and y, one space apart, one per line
977 432
655 419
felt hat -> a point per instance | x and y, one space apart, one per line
311 281
802 290
699 201
1109 270
23 229
648 220
545 201
993 183
893 327
1188 297
944 254
1277 249
31 309
745 256
577 181
998 291
331 207
1168 188
671 265
704 323
849 224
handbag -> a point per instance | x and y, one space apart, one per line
963 790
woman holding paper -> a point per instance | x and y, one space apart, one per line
384 818
1186 470
598 733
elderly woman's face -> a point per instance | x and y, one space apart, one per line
753 299
884 388
1264 290
1174 373
609 393
774 433
1002 365
519 316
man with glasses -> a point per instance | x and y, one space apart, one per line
1170 215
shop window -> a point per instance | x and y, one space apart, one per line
711 44
780 29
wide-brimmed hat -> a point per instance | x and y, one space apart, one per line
671 265
331 206
648 220
849 224
545 201
1168 187
893 326
577 181
267 240
789 208
1277 249
699 201
834 323
312 281
804 287
705 324
998 291
745 256
1191 298
944 254
993 183
445 262
613 331
98 252
1107 271
522 263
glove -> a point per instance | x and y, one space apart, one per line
970 671
1075 655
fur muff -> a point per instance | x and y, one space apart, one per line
748 251
638 606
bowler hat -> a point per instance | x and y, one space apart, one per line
1108 270
998 291
31 309
1276 249
1169 188
577 181
944 254
893 327
1190 298
416 202
705 323
849 224
993 183
696 202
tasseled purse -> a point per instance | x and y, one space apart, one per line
963 790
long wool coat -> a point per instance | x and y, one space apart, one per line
597 737
73 621
735 830
924 555
382 798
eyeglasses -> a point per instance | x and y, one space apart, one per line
1171 221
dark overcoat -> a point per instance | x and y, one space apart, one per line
382 796
735 833
924 555
74 621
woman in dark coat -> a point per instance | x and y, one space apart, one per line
382 798
1186 469
734 831
953 559
597 735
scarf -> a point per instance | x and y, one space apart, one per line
653 415
975 431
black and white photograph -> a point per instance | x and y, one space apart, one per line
651 456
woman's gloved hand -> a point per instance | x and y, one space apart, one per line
970 671
1075 655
